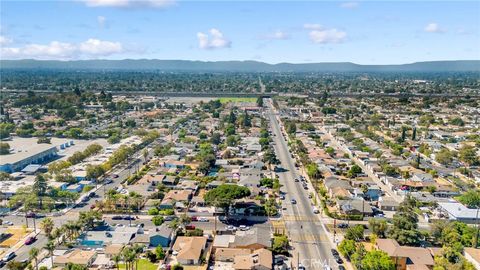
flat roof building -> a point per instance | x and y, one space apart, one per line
26 151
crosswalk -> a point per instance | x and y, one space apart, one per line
300 218
308 238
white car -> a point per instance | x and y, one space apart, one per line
231 228
202 219
244 228
8 256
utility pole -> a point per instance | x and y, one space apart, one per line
478 227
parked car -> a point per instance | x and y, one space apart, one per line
296 180
168 218
341 267
114 175
243 228
30 240
203 219
107 181
338 259
117 218
128 218
334 252
194 218
30 215
190 227
9 256
342 225
231 228
7 222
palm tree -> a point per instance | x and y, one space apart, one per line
47 226
116 258
50 247
33 255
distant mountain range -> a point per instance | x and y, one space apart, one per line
239 66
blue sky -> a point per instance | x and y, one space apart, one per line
364 32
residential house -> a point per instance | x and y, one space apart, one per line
76 256
388 204
459 212
253 239
174 196
354 206
188 250
161 236
260 259
406 257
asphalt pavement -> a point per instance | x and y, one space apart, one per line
306 233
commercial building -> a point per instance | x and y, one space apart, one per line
26 151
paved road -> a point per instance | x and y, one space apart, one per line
304 228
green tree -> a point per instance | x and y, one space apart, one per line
471 198
4 148
280 244
378 226
355 233
354 171
225 195
14 265
157 220
313 171
347 247
160 253
260 102
33 256
405 224
47 226
216 138
377 260
73 266
50 247
468 155
444 156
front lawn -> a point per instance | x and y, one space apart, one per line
143 264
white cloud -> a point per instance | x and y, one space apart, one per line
5 40
55 50
349 5
433 28
277 35
325 36
129 3
215 40
101 21
99 47
312 26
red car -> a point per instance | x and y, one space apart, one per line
194 218
30 240
190 227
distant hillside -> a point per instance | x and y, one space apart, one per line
242 66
